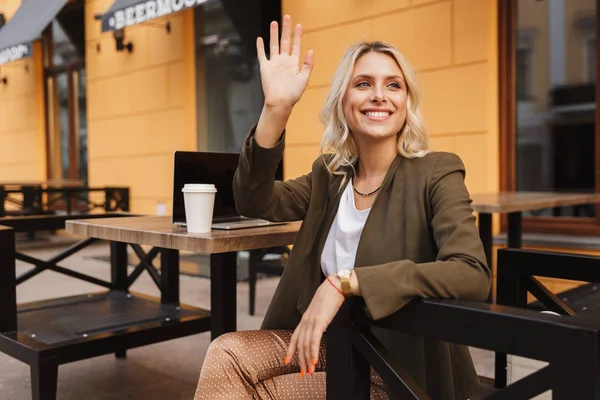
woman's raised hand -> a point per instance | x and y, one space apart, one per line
283 79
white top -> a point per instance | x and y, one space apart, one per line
341 244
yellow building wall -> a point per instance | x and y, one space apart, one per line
22 137
141 105
453 46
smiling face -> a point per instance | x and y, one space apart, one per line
375 100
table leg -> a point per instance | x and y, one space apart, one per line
8 281
223 302
118 276
485 234
118 265
169 276
515 230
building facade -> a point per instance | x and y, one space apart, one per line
111 107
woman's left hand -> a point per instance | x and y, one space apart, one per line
306 339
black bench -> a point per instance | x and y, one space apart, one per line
46 334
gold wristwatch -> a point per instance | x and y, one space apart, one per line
344 275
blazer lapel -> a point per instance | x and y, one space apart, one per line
374 230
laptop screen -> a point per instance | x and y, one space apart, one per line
207 167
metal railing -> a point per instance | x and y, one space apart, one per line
570 345
40 200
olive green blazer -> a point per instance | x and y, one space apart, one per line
420 240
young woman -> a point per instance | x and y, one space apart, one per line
384 218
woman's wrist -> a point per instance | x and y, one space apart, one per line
354 286
271 124
334 281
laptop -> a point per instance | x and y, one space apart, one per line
216 168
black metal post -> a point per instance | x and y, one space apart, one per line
125 200
28 206
2 201
223 309
339 355
511 290
252 261
485 233
108 195
28 198
68 200
118 265
8 281
348 373
515 230
169 276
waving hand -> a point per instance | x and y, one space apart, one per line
283 78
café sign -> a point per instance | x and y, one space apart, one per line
116 18
14 53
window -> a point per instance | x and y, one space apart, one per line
586 27
229 90
549 142
589 58
523 71
524 64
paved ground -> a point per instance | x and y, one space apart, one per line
163 371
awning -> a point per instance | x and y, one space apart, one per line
125 13
26 25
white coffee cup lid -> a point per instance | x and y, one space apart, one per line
199 187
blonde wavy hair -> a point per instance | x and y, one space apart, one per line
337 138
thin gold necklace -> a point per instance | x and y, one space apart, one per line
366 194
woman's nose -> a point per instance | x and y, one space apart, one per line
378 96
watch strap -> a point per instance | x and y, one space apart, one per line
346 289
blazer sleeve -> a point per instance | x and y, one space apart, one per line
460 270
258 195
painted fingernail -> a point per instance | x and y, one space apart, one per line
310 371
314 361
302 373
286 360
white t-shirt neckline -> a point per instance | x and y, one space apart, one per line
342 241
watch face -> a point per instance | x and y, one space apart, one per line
344 273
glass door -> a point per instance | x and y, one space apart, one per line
551 133
66 106
68 134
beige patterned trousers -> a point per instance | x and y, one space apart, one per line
249 365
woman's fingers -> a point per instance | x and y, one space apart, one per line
300 349
260 50
307 66
306 344
286 35
297 41
274 44
292 347
315 344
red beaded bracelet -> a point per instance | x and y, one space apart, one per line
336 288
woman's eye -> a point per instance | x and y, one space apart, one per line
363 84
395 85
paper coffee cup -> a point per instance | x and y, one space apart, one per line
199 202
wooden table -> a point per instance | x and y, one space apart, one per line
513 204
222 246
